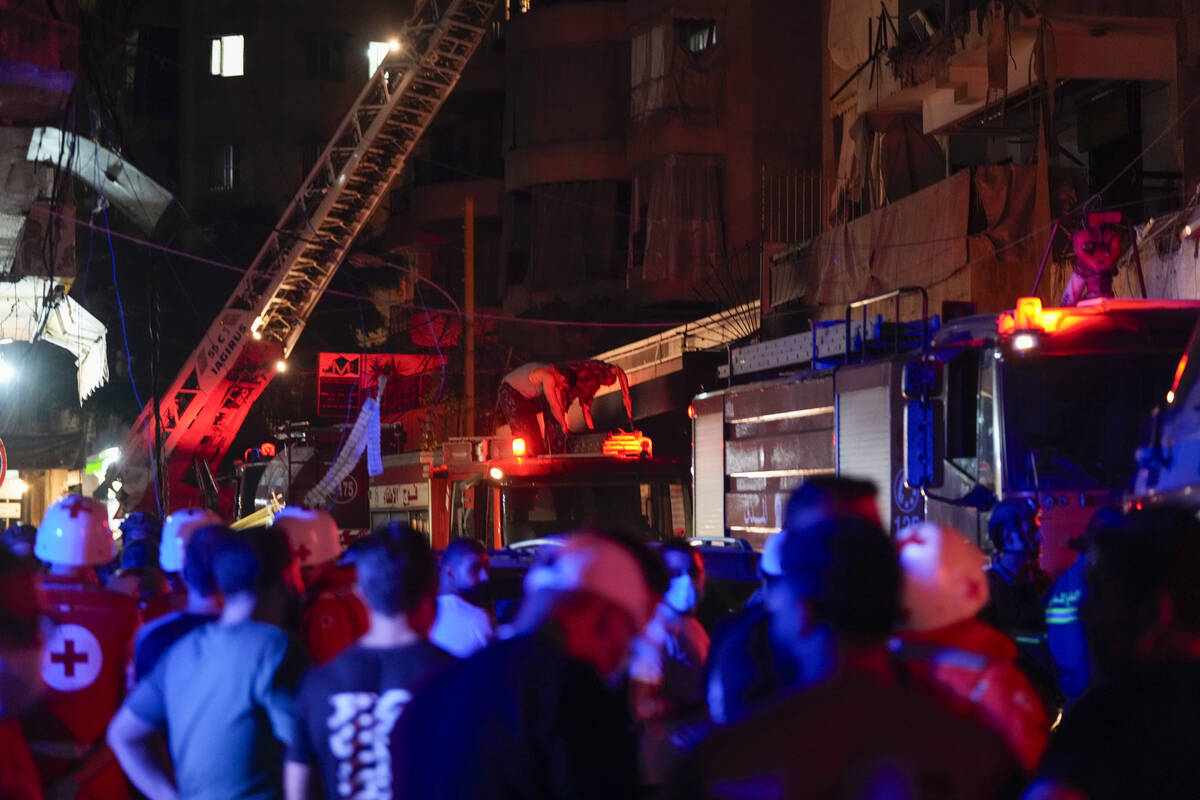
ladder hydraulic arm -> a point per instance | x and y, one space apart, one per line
204 407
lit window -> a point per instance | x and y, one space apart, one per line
227 56
225 168
376 52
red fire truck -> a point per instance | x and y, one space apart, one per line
1045 403
488 489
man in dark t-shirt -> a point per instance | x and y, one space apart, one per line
855 726
532 717
347 708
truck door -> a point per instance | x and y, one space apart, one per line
972 455
469 510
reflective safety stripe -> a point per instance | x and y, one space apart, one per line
1061 619
1034 640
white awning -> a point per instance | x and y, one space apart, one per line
67 324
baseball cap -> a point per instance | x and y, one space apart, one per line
1104 518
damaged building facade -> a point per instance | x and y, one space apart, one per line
955 134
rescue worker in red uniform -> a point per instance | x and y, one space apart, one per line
968 663
333 616
83 664
22 638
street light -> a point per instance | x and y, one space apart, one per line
281 366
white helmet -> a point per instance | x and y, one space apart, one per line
176 531
75 533
312 534
943 576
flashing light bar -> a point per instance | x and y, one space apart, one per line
627 445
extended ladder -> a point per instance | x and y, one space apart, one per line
209 399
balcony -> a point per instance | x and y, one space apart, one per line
972 65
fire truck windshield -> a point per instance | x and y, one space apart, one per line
1074 421
654 510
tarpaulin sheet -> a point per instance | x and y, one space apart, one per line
924 238
684 227
915 241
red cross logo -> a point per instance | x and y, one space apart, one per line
72 658
77 504
69 658
302 552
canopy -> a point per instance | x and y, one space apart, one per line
66 324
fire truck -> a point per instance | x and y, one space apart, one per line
1169 460
489 489
1043 403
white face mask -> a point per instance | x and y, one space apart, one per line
681 594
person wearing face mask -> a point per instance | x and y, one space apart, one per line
667 664
463 624
21 643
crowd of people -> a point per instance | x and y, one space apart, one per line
201 662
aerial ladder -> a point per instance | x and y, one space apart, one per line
196 419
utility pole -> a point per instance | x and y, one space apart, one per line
469 326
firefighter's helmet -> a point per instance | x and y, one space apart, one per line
75 533
176 531
312 534
943 576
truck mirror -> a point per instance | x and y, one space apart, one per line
922 462
921 379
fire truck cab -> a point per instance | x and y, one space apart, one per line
1048 404
1169 459
489 490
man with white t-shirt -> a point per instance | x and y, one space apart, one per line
463 623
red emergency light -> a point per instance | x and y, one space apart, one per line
518 447
628 445
267 449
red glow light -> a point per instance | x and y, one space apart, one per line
518 446
628 445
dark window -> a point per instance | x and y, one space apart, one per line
225 168
696 35
962 409
325 56
1077 419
